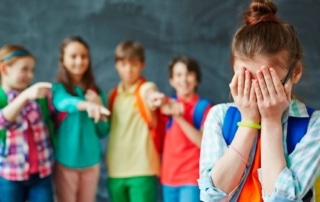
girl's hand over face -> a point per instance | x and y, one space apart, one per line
273 98
244 96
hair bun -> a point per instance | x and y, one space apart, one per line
261 11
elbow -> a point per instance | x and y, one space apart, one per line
224 183
220 184
199 140
198 143
210 193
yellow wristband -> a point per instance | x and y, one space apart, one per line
249 125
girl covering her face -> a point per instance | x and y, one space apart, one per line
258 164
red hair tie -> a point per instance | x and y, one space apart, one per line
251 20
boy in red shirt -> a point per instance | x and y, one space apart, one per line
180 163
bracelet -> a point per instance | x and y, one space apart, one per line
241 157
249 125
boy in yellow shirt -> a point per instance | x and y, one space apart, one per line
133 161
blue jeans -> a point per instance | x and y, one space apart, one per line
185 193
35 189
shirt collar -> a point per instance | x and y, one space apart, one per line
296 109
130 90
79 91
192 100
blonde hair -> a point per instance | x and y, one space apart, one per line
7 50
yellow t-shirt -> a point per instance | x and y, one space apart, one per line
131 151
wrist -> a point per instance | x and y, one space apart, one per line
253 125
271 120
152 107
177 117
250 119
23 97
166 100
82 105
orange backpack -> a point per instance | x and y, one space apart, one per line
155 120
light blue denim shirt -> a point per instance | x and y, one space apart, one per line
303 164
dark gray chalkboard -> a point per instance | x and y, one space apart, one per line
202 29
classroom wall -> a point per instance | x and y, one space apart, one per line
201 29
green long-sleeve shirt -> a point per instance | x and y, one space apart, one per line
78 136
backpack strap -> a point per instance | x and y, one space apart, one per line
3 98
139 100
198 112
152 119
44 106
46 114
144 112
155 120
3 132
230 127
297 128
112 97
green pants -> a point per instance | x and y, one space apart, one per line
133 189
317 190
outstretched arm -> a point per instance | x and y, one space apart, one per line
38 90
63 101
152 96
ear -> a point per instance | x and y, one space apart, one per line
171 82
297 73
3 69
116 65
